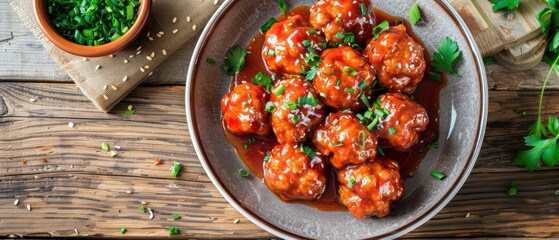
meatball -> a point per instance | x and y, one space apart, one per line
342 76
398 59
287 45
345 140
371 188
298 111
292 174
339 19
244 110
404 123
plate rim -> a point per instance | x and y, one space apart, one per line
437 207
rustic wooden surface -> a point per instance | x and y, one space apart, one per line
80 187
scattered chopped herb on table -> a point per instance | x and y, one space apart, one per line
105 147
502 4
175 169
174 231
438 175
415 14
123 230
92 22
176 216
512 190
129 112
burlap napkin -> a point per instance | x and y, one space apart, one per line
106 80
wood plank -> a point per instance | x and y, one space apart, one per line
91 192
24 58
501 78
519 63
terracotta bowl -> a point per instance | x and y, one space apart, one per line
50 32
463 114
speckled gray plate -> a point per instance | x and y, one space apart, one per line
462 125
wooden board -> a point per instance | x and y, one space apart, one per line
502 30
79 187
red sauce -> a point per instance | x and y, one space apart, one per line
426 94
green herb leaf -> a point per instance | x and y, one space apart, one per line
105 147
438 175
129 112
502 4
123 230
556 193
435 76
174 231
266 26
234 60
243 172
446 56
142 208
210 61
512 190
415 14
308 151
175 169
263 80
176 216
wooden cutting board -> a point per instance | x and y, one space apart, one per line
514 37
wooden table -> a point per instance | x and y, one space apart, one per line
74 188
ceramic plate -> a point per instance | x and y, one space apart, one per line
462 124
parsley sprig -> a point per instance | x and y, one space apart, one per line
445 57
502 4
234 60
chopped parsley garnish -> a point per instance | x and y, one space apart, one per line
234 60
415 14
349 71
512 190
290 104
270 107
174 231
175 169
502 4
243 172
391 131
438 175
142 208
263 80
266 26
383 26
210 61
282 6
313 60
92 23
311 73
105 147
295 118
279 90
308 151
363 9
351 183
445 57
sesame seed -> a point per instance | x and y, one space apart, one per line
28 207
125 61
130 107
76 230
16 202
468 215
114 87
158 35
129 192
139 48
131 56
188 18
150 73
85 59
146 66
142 69
149 33
236 221
125 78
105 87
164 52
216 1
174 19
152 54
175 31
138 52
112 56
194 27
71 125
150 38
97 67
148 58
32 100
143 202
106 97
161 32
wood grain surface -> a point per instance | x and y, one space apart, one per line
81 187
